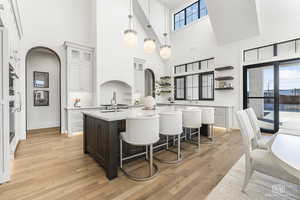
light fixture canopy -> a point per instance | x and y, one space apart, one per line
149 45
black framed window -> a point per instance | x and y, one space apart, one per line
180 69
192 87
179 20
198 86
202 8
190 14
180 88
207 86
191 67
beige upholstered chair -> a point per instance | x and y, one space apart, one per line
258 159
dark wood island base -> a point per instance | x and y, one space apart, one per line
101 141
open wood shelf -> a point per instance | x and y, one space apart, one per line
224 68
224 78
229 88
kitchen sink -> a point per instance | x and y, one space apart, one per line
110 111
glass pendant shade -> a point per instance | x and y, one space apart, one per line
130 38
149 45
165 52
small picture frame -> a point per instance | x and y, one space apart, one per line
41 98
41 79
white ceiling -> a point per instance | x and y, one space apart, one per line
172 4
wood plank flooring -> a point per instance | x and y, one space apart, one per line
52 166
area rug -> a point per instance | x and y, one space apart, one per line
260 187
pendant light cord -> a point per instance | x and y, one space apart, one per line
149 14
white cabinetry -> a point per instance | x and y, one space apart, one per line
80 74
80 83
4 108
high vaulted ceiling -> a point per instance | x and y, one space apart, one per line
172 4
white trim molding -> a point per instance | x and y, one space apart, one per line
16 12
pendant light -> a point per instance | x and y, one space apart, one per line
149 43
130 35
165 49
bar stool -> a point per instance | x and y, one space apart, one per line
141 131
208 118
192 120
170 124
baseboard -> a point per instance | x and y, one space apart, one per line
51 129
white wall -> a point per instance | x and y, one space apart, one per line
43 116
50 23
115 60
278 21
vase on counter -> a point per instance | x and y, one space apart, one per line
149 103
77 103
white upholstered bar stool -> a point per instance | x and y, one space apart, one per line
192 119
259 160
170 124
263 141
208 118
141 131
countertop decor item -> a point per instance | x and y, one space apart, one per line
77 103
149 103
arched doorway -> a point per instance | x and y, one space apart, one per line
43 89
149 83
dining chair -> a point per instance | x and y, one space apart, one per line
263 141
259 160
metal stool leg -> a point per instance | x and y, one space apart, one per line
167 142
147 153
199 135
153 169
178 152
210 134
151 160
121 152
179 157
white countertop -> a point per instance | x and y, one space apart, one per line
84 107
131 112
194 105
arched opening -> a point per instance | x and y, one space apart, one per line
123 92
149 83
43 89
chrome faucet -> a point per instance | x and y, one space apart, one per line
114 101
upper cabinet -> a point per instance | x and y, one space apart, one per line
80 74
10 18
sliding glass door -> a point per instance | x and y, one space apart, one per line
273 91
289 94
259 93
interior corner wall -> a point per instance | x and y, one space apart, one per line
197 41
49 24
115 60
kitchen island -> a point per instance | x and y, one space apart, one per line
101 136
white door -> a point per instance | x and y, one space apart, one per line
4 108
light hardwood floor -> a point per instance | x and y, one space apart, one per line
52 166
